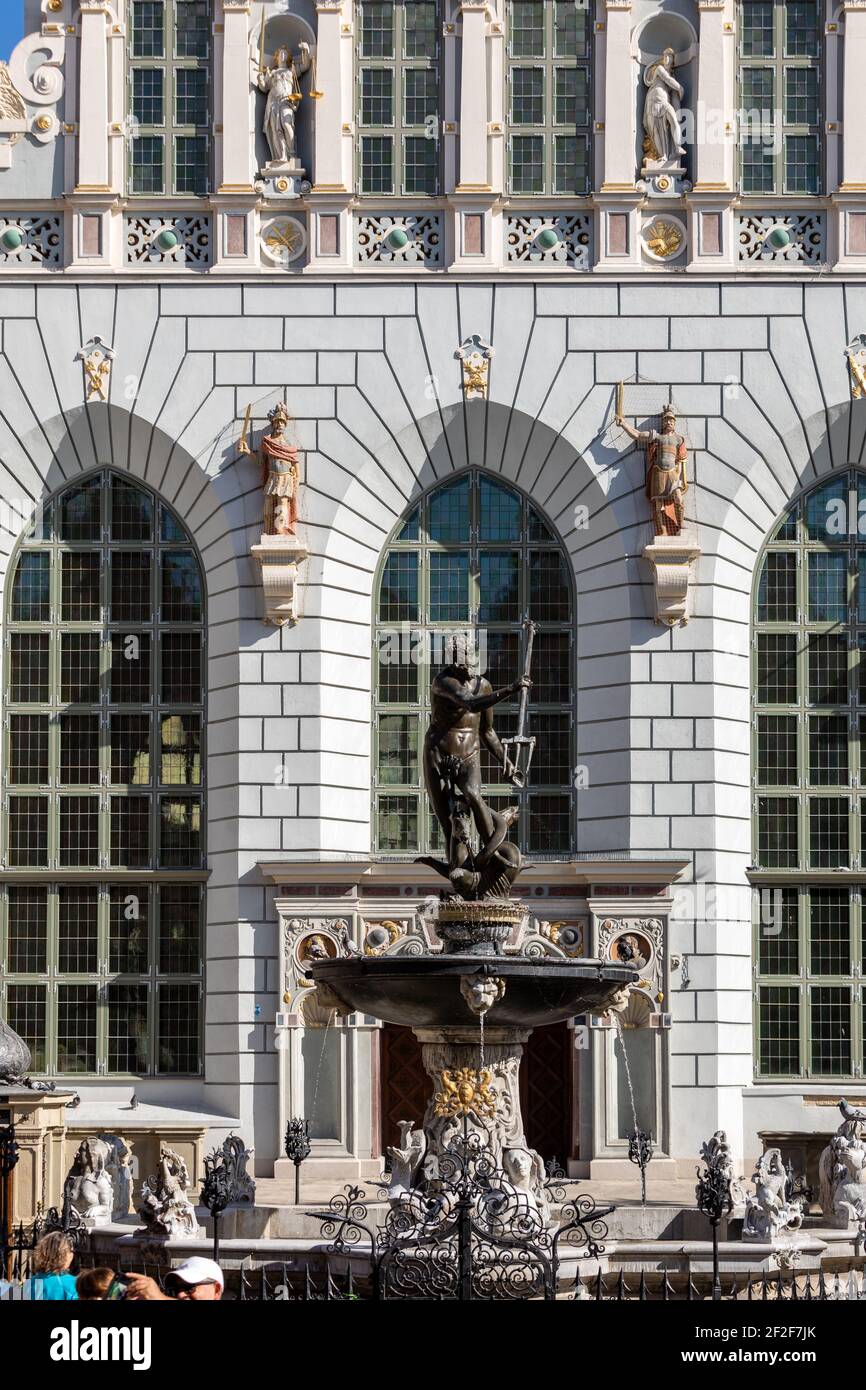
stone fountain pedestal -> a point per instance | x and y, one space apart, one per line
489 1086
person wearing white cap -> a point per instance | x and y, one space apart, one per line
197 1278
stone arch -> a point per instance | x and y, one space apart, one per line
517 448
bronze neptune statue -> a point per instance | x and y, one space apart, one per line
461 722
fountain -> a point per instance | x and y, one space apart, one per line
471 1005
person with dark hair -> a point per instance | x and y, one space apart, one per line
51 1279
93 1284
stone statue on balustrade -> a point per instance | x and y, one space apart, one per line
842 1171
165 1205
666 480
88 1184
279 473
282 82
769 1215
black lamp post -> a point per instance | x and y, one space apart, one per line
640 1151
714 1198
217 1191
298 1148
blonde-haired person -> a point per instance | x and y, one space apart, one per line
51 1279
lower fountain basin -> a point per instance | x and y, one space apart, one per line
424 991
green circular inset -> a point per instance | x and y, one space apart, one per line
547 238
397 238
778 238
167 239
11 239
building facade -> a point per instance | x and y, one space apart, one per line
460 241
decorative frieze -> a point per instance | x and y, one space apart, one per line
31 239
782 238
552 239
167 241
399 239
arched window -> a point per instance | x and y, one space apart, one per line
809 760
473 556
103 831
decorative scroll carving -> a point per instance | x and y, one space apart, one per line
32 239
671 560
557 239
406 239
786 237
168 241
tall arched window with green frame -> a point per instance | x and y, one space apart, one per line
808 775
473 557
103 826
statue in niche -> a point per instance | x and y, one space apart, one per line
666 480
461 721
282 83
661 111
280 473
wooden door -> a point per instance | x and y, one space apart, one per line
405 1084
547 1091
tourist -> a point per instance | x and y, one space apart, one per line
197 1279
93 1284
51 1279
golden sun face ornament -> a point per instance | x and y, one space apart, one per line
465 1092
663 239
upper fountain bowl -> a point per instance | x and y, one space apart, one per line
425 991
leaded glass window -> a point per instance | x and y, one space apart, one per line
809 762
548 97
780 117
470 560
103 831
398 96
169 77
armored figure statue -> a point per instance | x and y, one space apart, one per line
660 119
282 83
666 481
280 474
461 722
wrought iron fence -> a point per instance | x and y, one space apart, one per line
664 1286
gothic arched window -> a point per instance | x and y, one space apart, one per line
473 556
103 826
808 770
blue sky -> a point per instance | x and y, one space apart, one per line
11 25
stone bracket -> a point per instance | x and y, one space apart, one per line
278 558
671 560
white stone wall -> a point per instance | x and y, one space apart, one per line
369 374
